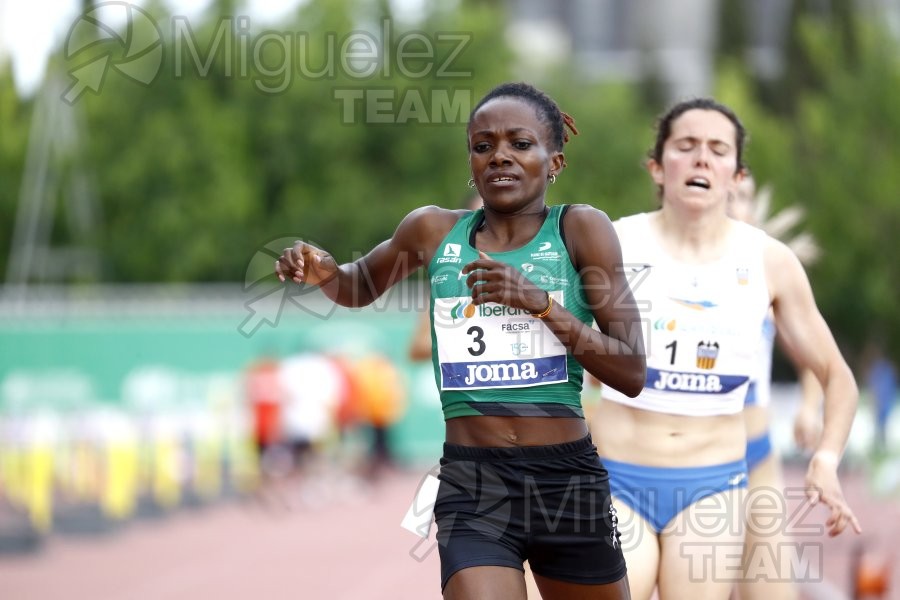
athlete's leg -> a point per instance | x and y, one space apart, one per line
641 548
554 589
486 583
573 542
766 541
700 550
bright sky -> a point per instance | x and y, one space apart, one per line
29 29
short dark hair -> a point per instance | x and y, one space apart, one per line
547 110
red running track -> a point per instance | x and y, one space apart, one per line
318 544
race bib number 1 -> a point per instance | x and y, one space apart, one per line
495 346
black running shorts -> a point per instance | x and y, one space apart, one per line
547 504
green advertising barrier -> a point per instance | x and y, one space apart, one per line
72 370
74 363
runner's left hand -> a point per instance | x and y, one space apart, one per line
822 485
494 281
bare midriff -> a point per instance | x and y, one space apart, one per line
644 437
505 432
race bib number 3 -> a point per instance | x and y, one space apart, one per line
495 346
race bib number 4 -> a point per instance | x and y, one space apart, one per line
495 346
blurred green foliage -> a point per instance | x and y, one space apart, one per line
198 171
834 149
15 120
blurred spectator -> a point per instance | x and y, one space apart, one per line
313 386
881 379
381 403
264 397
346 412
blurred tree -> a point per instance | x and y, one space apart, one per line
846 152
733 34
15 118
831 144
247 135
606 160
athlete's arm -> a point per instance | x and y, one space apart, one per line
808 341
361 282
808 420
615 354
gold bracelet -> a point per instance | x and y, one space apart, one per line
546 312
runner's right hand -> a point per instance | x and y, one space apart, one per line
304 263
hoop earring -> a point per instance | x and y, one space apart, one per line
553 179
471 183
